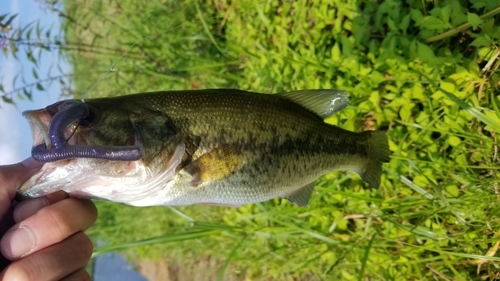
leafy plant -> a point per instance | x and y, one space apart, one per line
425 71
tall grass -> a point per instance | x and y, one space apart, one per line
436 215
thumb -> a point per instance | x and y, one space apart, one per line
12 177
31 163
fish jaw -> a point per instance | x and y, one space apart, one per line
80 175
124 182
39 122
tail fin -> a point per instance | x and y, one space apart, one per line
378 152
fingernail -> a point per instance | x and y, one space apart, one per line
31 163
18 242
29 207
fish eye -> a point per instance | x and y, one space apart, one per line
87 120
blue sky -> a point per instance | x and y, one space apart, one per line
15 137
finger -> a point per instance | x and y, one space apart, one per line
79 275
12 177
48 226
52 263
29 207
6 223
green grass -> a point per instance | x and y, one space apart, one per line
407 70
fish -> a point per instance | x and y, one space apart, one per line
221 147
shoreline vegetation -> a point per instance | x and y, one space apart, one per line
425 72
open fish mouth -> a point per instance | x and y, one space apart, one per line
44 131
81 168
130 182
55 135
39 121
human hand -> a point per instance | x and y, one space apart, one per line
42 238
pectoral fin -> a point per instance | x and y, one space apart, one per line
215 165
301 196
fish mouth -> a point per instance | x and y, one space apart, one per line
55 131
38 186
40 122
129 182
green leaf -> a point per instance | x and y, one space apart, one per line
489 26
491 4
39 87
454 141
417 16
9 21
366 257
473 111
448 85
27 94
493 115
457 15
416 188
30 57
478 4
461 160
453 190
445 13
473 20
405 111
28 34
413 49
425 52
391 24
7 100
432 23
496 34
485 53
417 92
405 22
336 52
483 40
474 68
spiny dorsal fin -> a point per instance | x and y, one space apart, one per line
322 102
301 196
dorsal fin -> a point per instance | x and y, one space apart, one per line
322 102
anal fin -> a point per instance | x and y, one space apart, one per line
302 195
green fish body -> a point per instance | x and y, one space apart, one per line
221 147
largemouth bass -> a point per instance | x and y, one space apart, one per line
221 147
